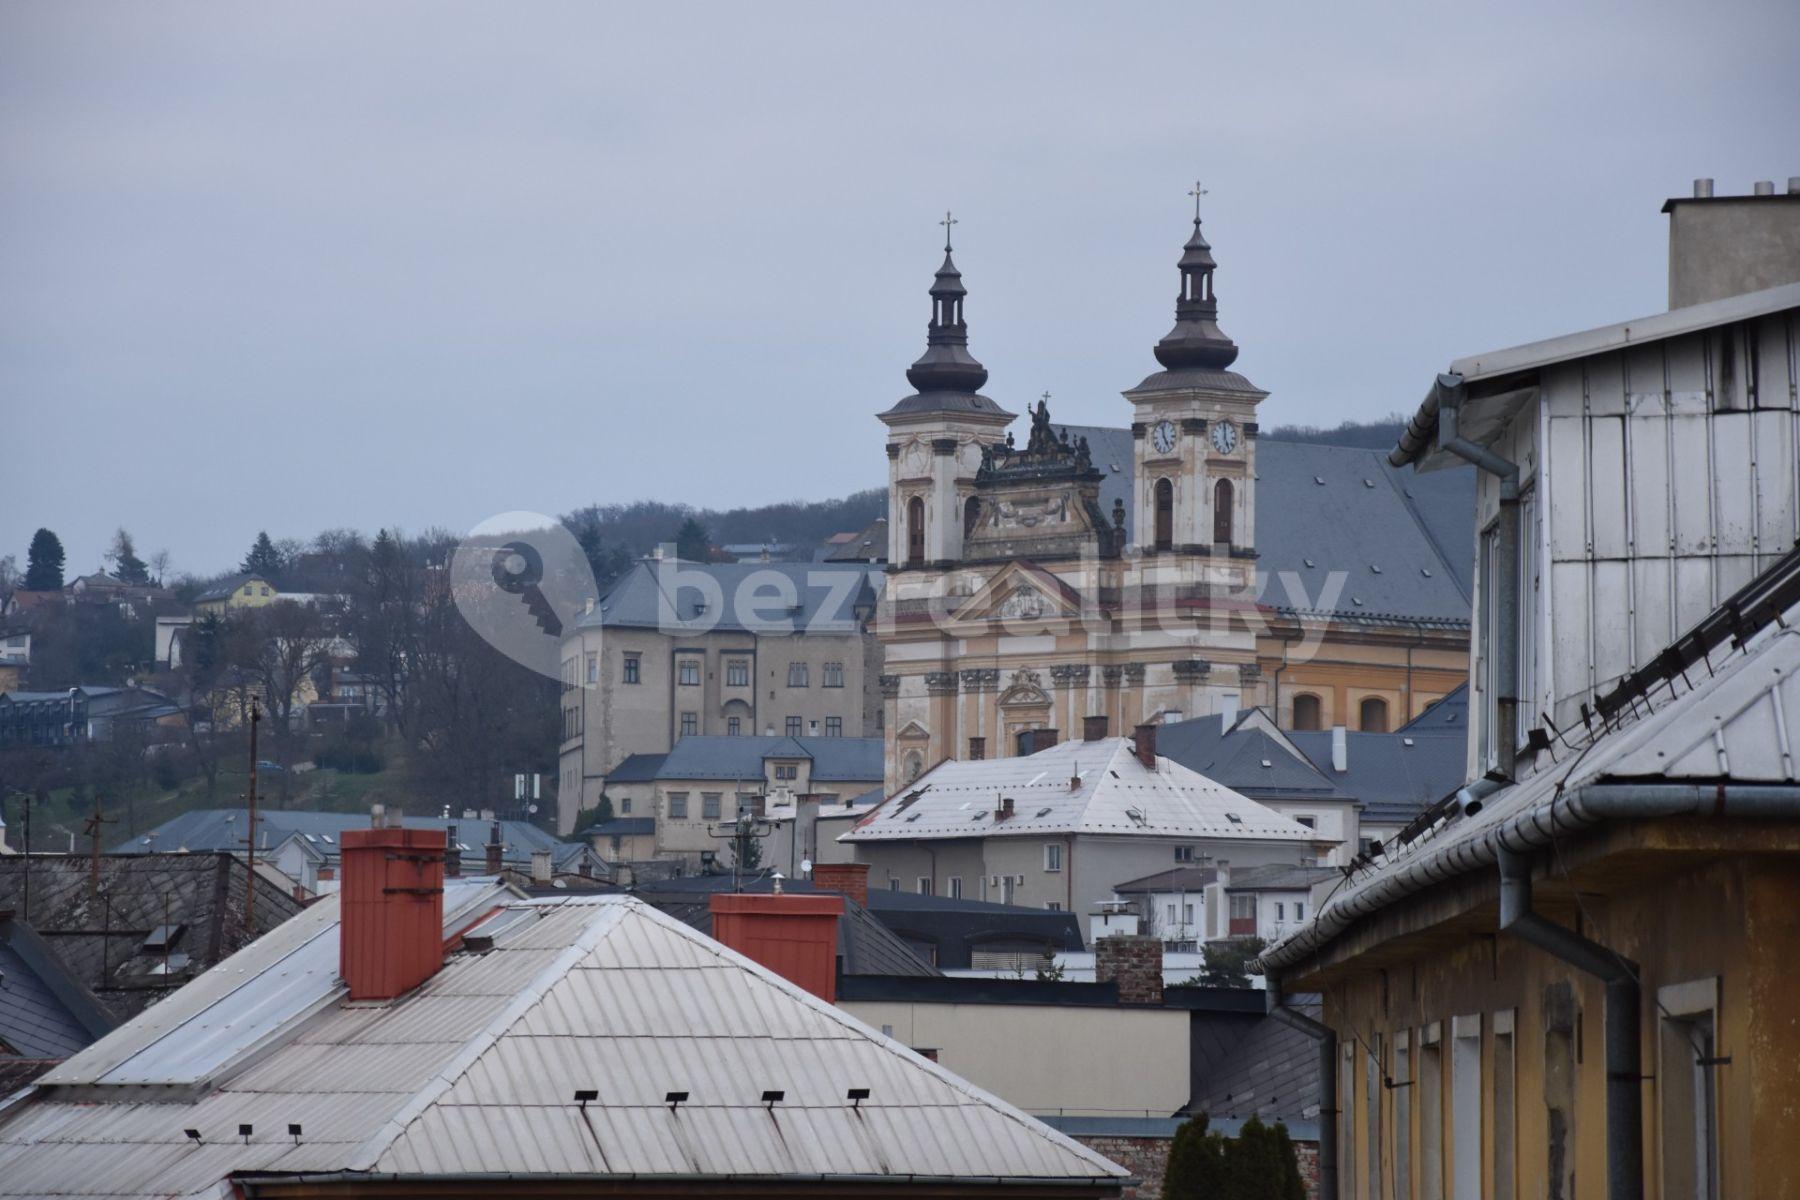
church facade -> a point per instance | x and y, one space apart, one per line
1118 576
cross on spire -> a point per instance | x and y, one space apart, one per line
1046 397
947 222
1197 192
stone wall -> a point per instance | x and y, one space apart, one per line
1148 1158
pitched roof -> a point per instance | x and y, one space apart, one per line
1267 1069
201 895
1278 877
1247 758
758 597
1177 879
1115 794
1728 723
1394 775
636 768
220 591
715 756
1341 508
474 1073
45 1011
223 829
1447 712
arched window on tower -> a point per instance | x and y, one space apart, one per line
1165 515
915 532
1373 715
1222 512
971 516
1307 711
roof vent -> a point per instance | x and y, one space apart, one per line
1703 189
1368 483
1375 568
1764 187
1307 561
1319 479
1425 571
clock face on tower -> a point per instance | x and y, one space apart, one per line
1224 437
1162 436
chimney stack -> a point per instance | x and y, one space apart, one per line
793 936
1042 739
452 854
540 867
1134 962
849 878
1144 742
1340 749
1093 729
495 849
1764 187
1703 189
391 932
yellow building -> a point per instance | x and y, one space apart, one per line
243 591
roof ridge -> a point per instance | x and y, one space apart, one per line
1406 502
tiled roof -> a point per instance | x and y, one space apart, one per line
45 1011
476 1071
1113 794
203 894
710 756
766 598
1343 509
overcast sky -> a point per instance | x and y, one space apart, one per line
313 265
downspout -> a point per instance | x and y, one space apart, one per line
1624 1064
1328 1082
1448 390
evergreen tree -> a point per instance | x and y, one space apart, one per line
264 559
693 542
1227 963
126 565
44 563
1196 1169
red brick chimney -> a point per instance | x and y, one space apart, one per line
452 854
849 878
1093 729
496 850
793 936
391 935
1144 743
1134 962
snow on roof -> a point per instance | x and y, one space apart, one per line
1113 793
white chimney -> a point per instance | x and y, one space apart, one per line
540 866
1340 749
1228 708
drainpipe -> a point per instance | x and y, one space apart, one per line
1448 391
1328 1082
1624 1065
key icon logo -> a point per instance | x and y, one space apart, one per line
518 569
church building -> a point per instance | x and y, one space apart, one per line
1131 575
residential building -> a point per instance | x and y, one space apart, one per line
623 839
679 649
660 1060
170 630
1059 828
155 922
1180 567
15 656
240 591
1269 902
89 713
1574 977
1171 905
705 781
46 1013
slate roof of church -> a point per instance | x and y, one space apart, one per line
715 756
1343 508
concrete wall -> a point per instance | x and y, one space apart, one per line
1098 1061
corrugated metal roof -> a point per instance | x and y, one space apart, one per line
476 1072
1115 794
1734 723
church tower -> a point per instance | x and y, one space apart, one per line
935 435
1194 429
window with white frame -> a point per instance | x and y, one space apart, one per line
688 672
678 806
797 674
737 672
834 727
834 675
709 806
1053 856
953 887
690 724
1687 1064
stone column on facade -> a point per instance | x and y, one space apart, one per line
1132 695
1190 677
1111 676
1252 688
940 686
1069 680
946 523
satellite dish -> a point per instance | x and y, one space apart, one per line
806 866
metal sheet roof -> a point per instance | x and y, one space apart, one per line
476 1071
1114 794
1736 723
768 598
709 756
